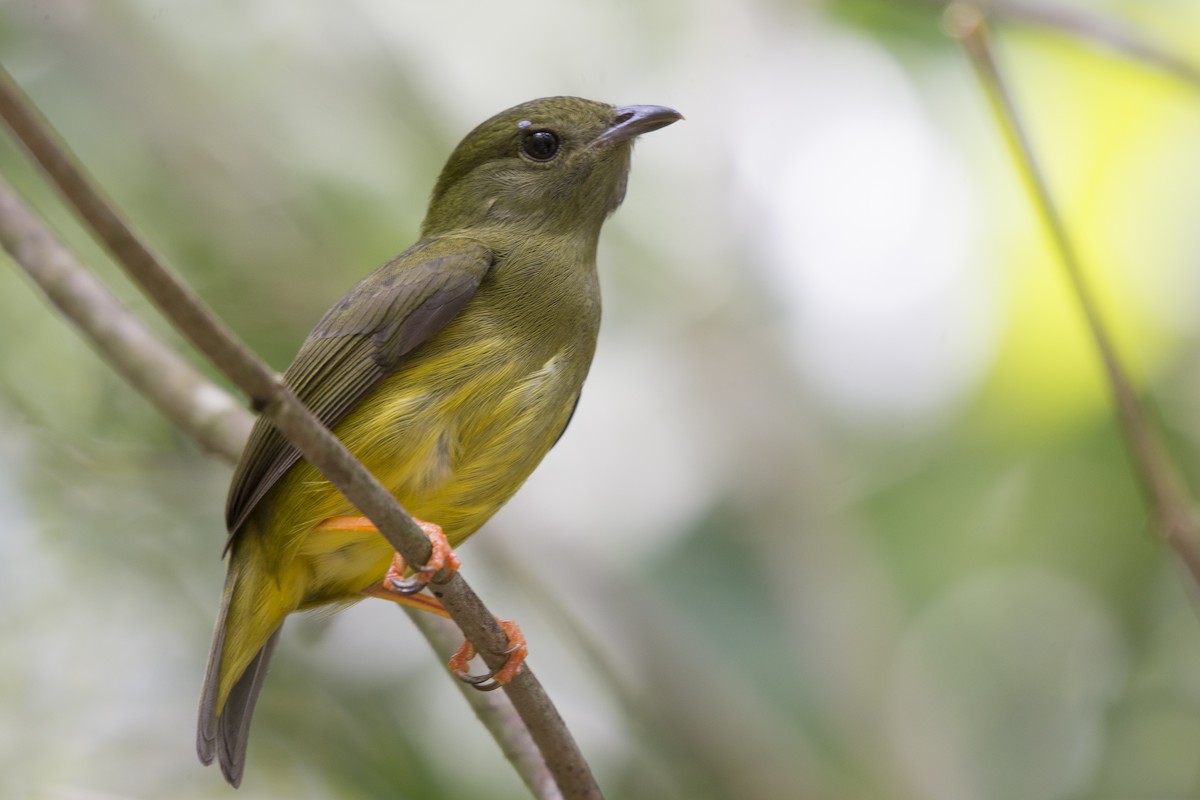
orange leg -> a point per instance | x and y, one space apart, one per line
395 586
404 590
516 652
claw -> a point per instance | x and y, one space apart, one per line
441 557
395 581
395 586
494 679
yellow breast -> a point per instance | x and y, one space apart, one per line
453 437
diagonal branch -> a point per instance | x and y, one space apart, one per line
202 410
1173 508
317 444
1095 27
1100 29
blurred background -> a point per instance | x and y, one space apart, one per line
843 512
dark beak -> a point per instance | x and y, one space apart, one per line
631 121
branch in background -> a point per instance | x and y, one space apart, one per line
704 777
212 417
498 715
1100 29
1095 27
200 409
1173 508
318 445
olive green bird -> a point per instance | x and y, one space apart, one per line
450 372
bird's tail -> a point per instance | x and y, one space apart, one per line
225 710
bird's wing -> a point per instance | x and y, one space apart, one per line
360 341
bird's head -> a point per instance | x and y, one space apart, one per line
554 164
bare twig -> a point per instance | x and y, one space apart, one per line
699 777
317 444
1172 506
200 409
1094 27
494 710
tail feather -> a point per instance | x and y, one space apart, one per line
206 727
233 725
223 731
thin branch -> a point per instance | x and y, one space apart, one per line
315 442
1173 508
1101 29
701 777
494 710
1095 27
200 409
212 417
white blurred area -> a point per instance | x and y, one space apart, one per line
868 228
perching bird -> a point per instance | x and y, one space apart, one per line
449 372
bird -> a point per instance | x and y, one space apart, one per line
450 372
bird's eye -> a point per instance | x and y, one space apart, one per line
540 145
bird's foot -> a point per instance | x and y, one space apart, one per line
395 586
442 557
493 679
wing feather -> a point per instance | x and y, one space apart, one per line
362 339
